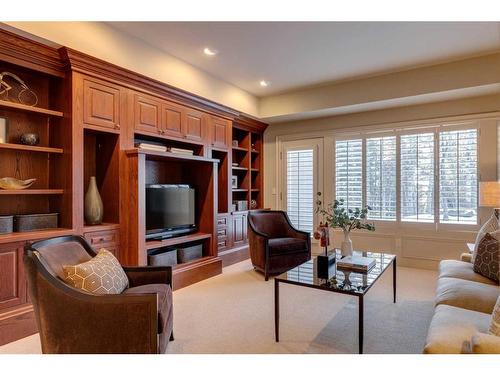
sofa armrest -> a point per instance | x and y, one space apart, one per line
466 257
148 275
483 343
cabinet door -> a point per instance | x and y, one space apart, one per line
220 130
239 228
147 112
172 120
101 104
12 281
194 125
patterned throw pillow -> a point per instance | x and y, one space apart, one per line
490 226
103 274
495 319
487 257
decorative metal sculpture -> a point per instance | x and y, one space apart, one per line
13 88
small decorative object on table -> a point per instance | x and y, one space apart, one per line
234 182
242 205
325 262
93 211
356 263
30 139
11 183
346 219
3 130
235 143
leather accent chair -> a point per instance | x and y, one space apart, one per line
275 245
70 320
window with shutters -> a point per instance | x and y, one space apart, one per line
458 176
300 187
381 193
417 177
349 172
427 176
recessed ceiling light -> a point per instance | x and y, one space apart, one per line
264 83
210 51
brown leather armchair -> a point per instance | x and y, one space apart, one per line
70 320
275 245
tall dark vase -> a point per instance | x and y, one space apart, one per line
93 210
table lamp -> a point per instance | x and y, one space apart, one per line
489 196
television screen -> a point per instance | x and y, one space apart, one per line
169 208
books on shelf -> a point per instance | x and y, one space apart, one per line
161 148
356 263
151 147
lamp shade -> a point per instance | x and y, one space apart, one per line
489 194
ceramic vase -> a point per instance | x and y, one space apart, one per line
346 248
93 204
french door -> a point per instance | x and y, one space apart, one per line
302 181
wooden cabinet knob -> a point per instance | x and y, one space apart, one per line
117 126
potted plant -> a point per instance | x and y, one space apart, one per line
337 216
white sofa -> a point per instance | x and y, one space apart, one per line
464 304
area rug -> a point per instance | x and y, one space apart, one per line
399 328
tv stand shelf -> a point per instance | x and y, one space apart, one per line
155 244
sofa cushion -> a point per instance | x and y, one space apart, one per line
495 319
483 343
102 274
466 294
462 270
487 256
163 300
452 328
286 245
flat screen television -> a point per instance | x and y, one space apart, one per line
170 210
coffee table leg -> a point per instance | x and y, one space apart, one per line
276 310
394 280
360 328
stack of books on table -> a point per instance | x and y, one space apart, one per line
151 147
182 151
356 263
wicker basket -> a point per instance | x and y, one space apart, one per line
26 223
6 224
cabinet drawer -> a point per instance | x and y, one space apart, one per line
99 239
222 232
221 243
221 221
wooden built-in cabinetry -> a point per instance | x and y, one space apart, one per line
90 115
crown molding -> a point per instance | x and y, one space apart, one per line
83 63
250 123
18 50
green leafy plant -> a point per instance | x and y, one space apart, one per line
337 216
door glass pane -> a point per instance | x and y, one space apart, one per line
300 188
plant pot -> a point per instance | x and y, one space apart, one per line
346 248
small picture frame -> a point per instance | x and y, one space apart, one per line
234 182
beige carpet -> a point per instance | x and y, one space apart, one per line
234 313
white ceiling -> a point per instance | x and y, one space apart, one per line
295 54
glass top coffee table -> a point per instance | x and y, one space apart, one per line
353 283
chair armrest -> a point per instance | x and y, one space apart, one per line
483 343
148 275
466 257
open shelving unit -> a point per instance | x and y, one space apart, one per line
48 162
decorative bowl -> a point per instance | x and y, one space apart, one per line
30 139
10 183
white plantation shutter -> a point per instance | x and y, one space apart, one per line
300 186
381 177
349 172
458 176
417 177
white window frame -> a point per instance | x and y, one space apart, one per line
435 128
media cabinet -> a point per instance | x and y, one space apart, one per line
90 115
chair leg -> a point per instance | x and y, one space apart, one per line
171 336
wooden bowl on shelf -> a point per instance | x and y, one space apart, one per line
11 183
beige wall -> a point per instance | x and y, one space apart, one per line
102 41
415 247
